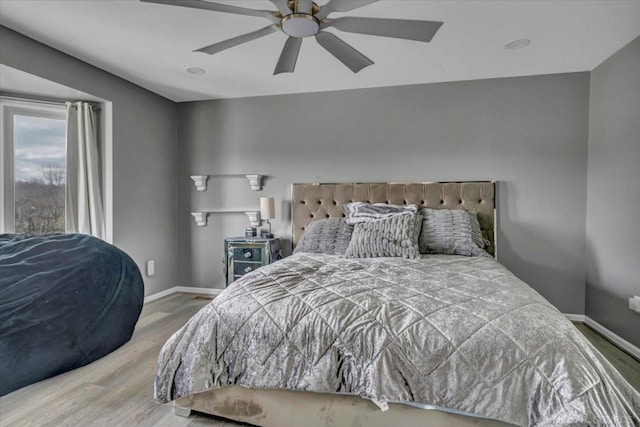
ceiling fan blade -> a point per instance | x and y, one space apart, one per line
217 7
304 6
350 57
283 6
235 41
398 28
289 56
340 6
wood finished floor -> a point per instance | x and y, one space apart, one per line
623 361
117 390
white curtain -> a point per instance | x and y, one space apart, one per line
84 197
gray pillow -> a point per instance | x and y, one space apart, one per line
388 237
326 236
452 232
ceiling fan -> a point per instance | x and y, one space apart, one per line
304 18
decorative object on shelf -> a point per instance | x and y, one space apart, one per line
201 218
255 181
267 212
200 181
250 232
254 218
246 254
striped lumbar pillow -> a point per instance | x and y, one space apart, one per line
362 212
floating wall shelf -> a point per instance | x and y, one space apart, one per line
255 180
201 216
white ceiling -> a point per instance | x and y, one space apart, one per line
151 45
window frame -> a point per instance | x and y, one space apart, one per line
9 108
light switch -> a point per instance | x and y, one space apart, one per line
151 268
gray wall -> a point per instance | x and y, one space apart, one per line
529 133
144 152
613 193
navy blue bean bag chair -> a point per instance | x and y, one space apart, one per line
65 301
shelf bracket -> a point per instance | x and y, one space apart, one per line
201 218
255 181
200 181
254 218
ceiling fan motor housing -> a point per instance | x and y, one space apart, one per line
300 25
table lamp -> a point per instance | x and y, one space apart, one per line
267 212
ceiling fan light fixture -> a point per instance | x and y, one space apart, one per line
300 25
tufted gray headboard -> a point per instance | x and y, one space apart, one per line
311 202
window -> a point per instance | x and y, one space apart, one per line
33 158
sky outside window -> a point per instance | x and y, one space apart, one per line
39 153
38 143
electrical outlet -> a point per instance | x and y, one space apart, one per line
634 304
151 270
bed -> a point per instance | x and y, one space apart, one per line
65 301
321 339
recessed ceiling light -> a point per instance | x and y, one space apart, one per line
517 44
196 70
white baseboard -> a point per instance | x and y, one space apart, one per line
613 337
184 289
575 317
610 335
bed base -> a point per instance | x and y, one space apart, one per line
285 408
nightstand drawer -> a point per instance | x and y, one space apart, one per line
247 254
240 267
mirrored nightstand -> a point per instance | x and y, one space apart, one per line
246 254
